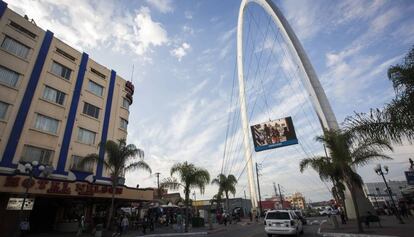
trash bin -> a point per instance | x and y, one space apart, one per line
98 232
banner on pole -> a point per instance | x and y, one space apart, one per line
273 134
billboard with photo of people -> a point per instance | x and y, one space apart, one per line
274 134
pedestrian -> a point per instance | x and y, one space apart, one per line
145 224
250 216
124 224
81 225
342 213
24 227
179 222
225 218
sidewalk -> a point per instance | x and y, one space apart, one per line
160 231
390 227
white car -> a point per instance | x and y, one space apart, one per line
282 222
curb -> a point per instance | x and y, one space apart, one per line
176 234
328 234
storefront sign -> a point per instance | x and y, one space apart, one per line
60 187
16 204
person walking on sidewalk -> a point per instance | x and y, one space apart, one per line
124 224
179 222
342 213
81 225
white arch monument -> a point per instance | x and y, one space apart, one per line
310 81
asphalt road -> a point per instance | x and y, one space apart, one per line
257 230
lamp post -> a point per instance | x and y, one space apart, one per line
379 171
30 169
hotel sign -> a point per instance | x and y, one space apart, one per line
59 187
16 204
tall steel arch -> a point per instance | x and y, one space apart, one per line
310 80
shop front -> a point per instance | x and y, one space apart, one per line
57 205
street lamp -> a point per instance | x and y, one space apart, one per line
379 171
31 169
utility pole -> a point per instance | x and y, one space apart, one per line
158 184
281 198
245 201
274 188
258 188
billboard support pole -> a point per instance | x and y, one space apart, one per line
310 81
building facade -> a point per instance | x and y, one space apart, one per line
56 106
378 195
297 200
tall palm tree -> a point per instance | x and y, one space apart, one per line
396 120
190 177
121 158
227 184
346 152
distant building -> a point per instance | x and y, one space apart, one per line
297 200
275 202
378 195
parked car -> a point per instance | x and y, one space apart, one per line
301 217
328 211
282 222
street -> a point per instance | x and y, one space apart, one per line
257 230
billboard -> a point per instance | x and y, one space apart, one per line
273 134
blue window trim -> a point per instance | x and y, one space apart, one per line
3 7
10 150
60 169
106 124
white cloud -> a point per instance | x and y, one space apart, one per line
188 15
163 6
91 25
181 51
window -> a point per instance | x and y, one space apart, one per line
94 71
76 164
54 95
22 29
60 70
8 77
3 110
31 153
46 124
91 110
277 216
95 88
125 103
14 47
86 136
124 123
64 54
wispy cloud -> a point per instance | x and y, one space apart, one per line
163 6
181 51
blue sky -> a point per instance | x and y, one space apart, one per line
184 58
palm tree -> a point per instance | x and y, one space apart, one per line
346 152
121 158
396 120
226 184
190 177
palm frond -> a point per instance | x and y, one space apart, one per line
138 165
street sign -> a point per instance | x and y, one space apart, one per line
409 175
16 204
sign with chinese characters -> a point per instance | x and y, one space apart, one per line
16 204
